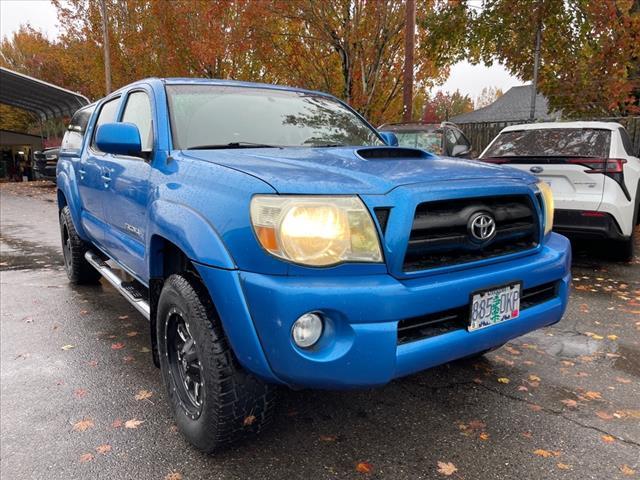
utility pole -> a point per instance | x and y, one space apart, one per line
536 66
409 41
105 42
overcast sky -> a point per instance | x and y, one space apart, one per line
467 78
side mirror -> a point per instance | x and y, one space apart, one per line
389 138
119 139
460 150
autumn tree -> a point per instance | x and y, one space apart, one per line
487 96
443 106
590 51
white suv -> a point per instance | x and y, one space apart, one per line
593 172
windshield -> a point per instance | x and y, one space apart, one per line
216 116
429 141
552 142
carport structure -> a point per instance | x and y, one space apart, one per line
46 100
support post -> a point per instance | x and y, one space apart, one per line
409 44
105 42
536 66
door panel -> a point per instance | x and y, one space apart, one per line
128 191
92 183
127 211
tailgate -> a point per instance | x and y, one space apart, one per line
573 187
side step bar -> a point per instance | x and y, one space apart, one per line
127 290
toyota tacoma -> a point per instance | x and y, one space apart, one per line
272 237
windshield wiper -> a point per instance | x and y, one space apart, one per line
233 145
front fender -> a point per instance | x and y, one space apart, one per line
68 187
190 232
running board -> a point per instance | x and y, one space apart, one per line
126 289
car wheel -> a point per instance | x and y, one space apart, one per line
625 249
73 249
214 400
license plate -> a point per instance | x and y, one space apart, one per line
497 305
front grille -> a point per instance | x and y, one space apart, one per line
440 233
434 324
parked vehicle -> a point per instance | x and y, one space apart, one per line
44 163
440 138
272 237
592 170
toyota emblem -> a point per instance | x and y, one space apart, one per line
482 227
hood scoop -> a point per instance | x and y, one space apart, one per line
391 153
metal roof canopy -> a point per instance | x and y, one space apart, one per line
45 99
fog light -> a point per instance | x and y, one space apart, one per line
307 329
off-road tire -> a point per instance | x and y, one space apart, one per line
78 269
235 403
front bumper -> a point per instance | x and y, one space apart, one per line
359 346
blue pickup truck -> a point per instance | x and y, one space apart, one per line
272 237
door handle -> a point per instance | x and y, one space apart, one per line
106 177
82 173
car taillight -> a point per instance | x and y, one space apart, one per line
611 167
600 165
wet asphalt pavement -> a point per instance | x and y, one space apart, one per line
563 402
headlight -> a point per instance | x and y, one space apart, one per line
314 230
547 197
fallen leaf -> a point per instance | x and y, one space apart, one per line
627 470
86 457
133 423
512 350
249 420
123 317
607 438
546 453
570 403
604 415
143 395
79 393
128 359
132 334
484 436
364 467
534 378
117 423
92 363
622 380
83 425
503 380
103 449
84 312
534 407
117 346
593 395
612 337
328 438
446 468
68 347
144 350
173 476
522 388
527 434
563 466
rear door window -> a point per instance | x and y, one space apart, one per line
74 135
552 142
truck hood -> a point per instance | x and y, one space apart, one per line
351 170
